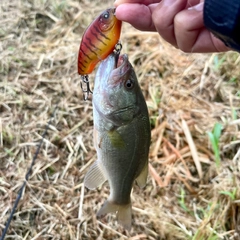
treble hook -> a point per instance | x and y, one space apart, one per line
118 48
86 91
85 79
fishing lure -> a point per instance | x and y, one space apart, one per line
98 41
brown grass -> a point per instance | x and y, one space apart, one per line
187 196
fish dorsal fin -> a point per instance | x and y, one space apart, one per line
142 178
94 177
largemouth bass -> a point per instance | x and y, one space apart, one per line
121 136
98 41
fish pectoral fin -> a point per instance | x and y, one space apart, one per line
142 178
94 177
124 213
116 139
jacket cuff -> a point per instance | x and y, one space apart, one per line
222 18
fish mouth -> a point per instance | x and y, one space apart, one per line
122 66
111 71
122 62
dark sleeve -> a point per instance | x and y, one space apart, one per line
222 18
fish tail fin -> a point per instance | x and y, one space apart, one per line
124 213
124 216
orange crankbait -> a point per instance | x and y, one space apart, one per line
98 41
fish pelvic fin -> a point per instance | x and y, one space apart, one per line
124 213
142 178
94 177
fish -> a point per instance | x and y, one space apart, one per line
121 136
98 41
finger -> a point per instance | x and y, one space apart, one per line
144 2
187 26
137 15
207 42
163 18
191 34
192 3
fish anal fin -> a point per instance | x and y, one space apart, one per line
142 178
124 213
94 177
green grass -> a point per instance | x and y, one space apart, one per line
214 137
218 62
231 194
182 200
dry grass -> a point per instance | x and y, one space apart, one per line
187 196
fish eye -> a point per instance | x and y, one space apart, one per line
129 84
106 15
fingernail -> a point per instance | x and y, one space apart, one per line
198 7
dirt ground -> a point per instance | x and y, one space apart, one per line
194 106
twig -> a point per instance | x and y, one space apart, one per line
237 156
192 147
155 175
179 156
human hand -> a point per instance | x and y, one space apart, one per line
179 22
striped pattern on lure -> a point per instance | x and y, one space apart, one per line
98 41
